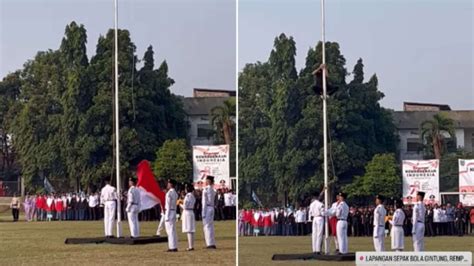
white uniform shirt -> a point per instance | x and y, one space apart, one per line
398 218
93 201
133 198
228 199
189 201
300 216
208 197
437 215
316 209
379 215
418 213
108 193
342 211
170 204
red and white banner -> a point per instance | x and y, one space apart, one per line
150 191
421 175
466 181
211 160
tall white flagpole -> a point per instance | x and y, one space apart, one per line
117 137
325 140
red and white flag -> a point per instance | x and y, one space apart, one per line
150 191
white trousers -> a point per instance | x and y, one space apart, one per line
208 224
161 224
418 237
341 231
170 227
133 223
379 238
317 234
109 217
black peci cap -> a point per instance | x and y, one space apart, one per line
133 179
380 197
420 193
342 194
210 178
172 182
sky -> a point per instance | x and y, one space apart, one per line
421 50
196 37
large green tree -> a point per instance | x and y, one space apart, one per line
280 124
173 161
381 177
60 111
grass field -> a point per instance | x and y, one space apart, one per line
259 250
42 243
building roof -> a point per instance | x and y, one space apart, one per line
201 105
413 119
229 92
443 107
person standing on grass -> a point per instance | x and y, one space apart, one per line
459 219
316 211
15 206
188 219
379 224
397 234
108 196
418 231
133 208
59 208
170 216
208 197
342 212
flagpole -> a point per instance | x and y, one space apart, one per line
117 137
326 190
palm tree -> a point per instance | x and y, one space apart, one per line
432 130
223 120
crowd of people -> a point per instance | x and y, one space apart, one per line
88 207
440 220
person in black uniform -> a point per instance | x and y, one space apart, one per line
408 223
356 222
459 219
429 229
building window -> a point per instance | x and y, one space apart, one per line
451 144
204 130
413 145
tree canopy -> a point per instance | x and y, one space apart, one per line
280 124
59 108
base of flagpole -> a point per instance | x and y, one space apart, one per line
118 240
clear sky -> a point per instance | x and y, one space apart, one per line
196 37
421 50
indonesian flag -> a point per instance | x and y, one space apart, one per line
150 192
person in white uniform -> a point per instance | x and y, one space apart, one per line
188 220
379 224
161 224
397 234
133 208
316 210
170 216
108 197
342 211
208 196
418 220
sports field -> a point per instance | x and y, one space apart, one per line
42 243
259 250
